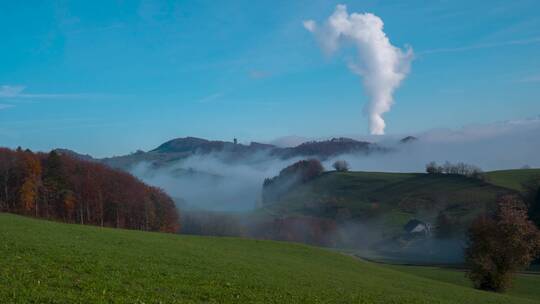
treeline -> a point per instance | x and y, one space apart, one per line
457 169
60 187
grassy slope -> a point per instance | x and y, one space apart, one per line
525 286
513 179
46 262
393 195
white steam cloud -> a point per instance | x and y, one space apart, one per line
382 66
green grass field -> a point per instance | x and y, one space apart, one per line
513 179
525 285
48 262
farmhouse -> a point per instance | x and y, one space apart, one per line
418 228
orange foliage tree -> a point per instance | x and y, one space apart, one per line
72 190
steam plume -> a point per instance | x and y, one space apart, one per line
382 66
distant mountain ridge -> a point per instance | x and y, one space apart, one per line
200 145
230 152
181 148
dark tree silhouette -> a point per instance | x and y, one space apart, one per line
501 244
298 173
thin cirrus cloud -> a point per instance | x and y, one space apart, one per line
257 74
18 92
5 106
526 41
7 91
210 98
530 79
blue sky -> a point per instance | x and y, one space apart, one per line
110 77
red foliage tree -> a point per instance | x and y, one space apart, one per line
72 190
501 244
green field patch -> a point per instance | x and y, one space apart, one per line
513 179
48 262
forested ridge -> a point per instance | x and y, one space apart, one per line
60 187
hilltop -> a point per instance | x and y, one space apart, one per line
231 152
48 262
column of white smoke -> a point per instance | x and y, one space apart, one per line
382 66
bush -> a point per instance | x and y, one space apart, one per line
500 245
341 166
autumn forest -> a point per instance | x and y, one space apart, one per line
60 187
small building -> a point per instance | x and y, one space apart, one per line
418 228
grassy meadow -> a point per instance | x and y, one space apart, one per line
513 179
49 262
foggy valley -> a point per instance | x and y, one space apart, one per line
165 151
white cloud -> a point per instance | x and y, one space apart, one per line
382 66
310 25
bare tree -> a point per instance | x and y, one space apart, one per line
459 168
341 166
433 168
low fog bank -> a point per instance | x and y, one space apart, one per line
213 182
208 182
216 197
370 240
423 251
365 239
496 146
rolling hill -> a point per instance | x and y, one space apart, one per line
391 198
373 214
366 213
48 262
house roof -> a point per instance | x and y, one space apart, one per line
412 224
